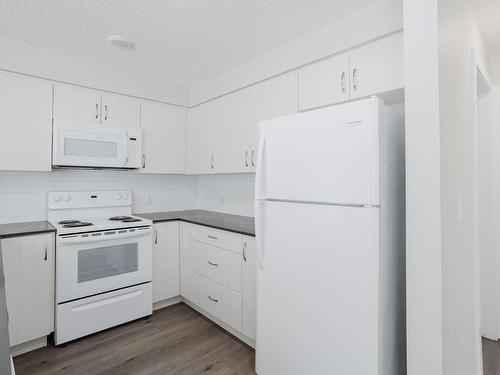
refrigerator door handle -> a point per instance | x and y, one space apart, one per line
259 233
260 165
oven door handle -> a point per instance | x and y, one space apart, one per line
93 237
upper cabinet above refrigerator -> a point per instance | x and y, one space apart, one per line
81 105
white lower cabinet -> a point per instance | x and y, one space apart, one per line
165 260
217 274
28 263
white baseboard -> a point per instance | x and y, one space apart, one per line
168 302
28 346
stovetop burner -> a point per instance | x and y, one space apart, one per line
77 224
120 218
130 220
64 222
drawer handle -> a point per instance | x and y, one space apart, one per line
213 264
212 299
213 237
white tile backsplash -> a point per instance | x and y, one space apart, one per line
23 195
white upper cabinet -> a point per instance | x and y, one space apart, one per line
163 138
200 139
25 122
272 98
377 67
120 110
324 82
83 105
371 69
77 104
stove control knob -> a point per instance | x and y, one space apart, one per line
119 196
57 198
67 198
125 196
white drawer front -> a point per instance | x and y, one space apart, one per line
217 264
224 303
88 315
223 239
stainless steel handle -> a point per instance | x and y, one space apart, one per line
105 112
96 110
355 79
212 299
213 264
143 161
213 237
245 251
252 158
46 250
156 236
212 162
342 82
246 158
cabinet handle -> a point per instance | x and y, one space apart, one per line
213 264
212 299
245 251
45 251
213 237
105 112
246 158
212 162
355 79
96 110
156 236
143 161
252 158
342 82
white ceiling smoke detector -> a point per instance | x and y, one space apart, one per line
120 41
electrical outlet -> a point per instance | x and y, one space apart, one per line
149 199
222 200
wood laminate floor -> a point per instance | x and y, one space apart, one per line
491 357
174 340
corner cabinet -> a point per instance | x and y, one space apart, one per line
165 260
217 277
26 123
29 263
163 138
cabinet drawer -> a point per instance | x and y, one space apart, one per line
223 303
215 237
217 264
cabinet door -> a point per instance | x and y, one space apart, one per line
200 139
165 261
230 132
77 104
188 281
273 98
323 83
377 67
29 286
120 110
163 138
249 286
26 123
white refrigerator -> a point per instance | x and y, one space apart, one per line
330 242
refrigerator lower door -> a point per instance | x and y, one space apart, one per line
317 289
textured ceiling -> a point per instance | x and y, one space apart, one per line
184 41
487 14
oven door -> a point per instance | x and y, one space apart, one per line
91 263
94 146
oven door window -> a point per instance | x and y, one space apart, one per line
108 261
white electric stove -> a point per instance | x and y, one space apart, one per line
103 262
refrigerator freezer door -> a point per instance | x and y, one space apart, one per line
328 155
317 290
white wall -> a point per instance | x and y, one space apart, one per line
44 63
23 195
380 18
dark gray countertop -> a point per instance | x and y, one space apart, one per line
233 223
22 229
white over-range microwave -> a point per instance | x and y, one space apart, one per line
79 145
